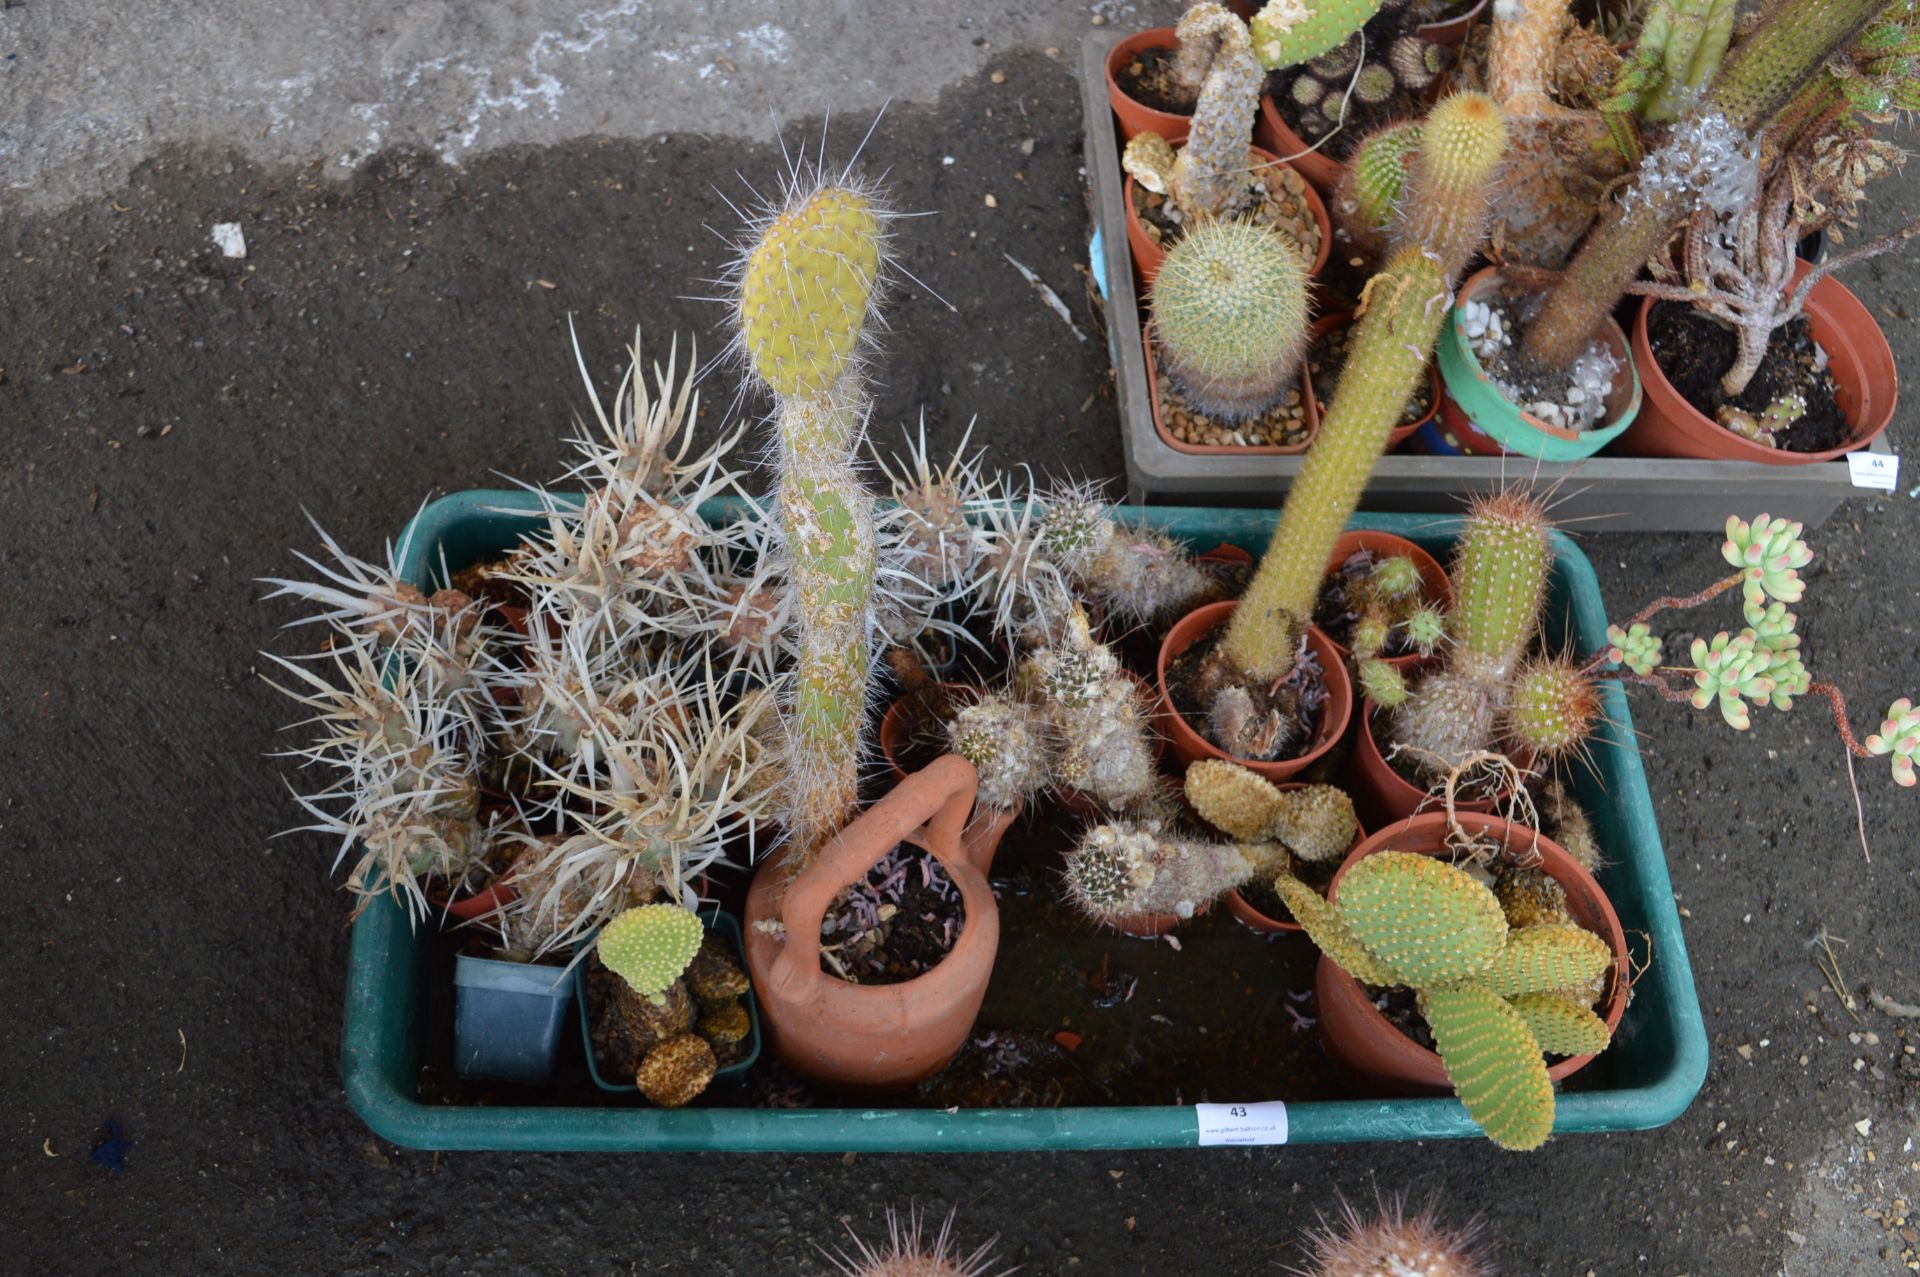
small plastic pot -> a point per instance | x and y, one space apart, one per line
1147 255
1477 419
1222 449
1867 385
1252 918
1318 402
1435 587
1190 746
903 723
1137 117
729 930
507 1018
1363 1040
1272 133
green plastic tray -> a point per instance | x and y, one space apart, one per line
1648 1077
715 920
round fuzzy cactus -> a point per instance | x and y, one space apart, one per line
908 1253
1123 870
806 290
1230 307
651 947
677 1071
1372 183
1395 1243
1552 707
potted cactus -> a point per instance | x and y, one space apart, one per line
1315 823
1177 183
1502 976
1263 685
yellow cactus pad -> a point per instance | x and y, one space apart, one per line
806 291
1330 935
1553 955
1426 919
1494 1063
1234 800
1560 1025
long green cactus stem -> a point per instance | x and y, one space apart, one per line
1402 308
1758 79
805 295
1210 173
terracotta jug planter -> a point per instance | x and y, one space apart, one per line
1320 396
1252 918
1222 449
877 1039
1137 117
1435 587
1189 745
1147 255
1857 354
1362 1039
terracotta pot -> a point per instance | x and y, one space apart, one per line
1148 255
1434 585
1221 449
1477 419
1273 134
1136 117
1189 745
903 724
877 1039
1318 402
1151 926
1252 918
500 891
1451 31
1863 374
1360 1038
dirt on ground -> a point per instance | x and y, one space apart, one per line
173 416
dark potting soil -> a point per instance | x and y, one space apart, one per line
897 923
1402 1009
1695 351
1328 355
1147 78
1009 1069
1333 613
1361 118
1298 699
1260 893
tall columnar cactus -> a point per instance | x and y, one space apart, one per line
807 290
1490 992
1372 183
1286 32
1702 158
1208 178
1679 50
1230 310
1402 309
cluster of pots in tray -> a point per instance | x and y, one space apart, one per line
876 1040
1470 416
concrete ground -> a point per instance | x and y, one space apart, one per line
427 191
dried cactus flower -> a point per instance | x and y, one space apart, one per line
675 1073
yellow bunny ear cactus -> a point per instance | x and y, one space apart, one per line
1230 310
650 947
807 290
1402 309
1315 822
1290 31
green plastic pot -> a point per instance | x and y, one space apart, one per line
1647 1079
729 928
1472 405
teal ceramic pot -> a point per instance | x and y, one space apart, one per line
1475 418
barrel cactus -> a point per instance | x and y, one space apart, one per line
1372 183
1394 1242
1230 310
1492 993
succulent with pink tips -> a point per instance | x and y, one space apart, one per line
1770 553
1899 735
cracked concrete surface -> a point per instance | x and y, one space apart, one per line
88 88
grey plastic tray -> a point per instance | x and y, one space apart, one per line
1612 493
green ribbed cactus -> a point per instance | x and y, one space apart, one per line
650 947
1122 871
1286 32
807 290
1402 309
1316 822
1489 991
1208 177
1551 708
1230 311
1703 157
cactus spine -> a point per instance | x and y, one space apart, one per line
1484 987
1758 79
1373 182
806 292
1403 308
1230 309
